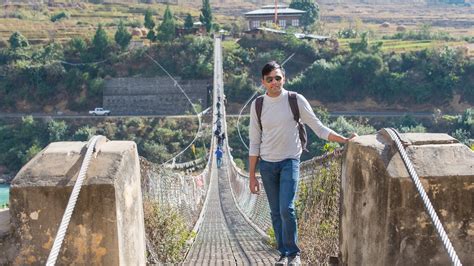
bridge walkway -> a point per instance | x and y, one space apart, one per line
225 237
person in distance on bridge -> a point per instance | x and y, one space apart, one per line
219 154
277 139
222 138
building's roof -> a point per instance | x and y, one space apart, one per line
311 36
271 11
270 30
273 6
297 35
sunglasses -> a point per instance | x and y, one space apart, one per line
270 79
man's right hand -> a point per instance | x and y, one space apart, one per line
254 185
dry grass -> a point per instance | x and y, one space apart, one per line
166 233
456 20
318 214
399 46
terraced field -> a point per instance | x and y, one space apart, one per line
400 46
34 22
457 20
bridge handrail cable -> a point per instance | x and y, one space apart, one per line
91 147
395 136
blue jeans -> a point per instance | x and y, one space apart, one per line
280 180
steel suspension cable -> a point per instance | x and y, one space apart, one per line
89 63
192 105
426 201
53 255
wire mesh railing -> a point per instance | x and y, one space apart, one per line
255 207
184 192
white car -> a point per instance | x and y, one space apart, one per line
99 111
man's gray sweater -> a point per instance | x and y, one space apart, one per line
279 139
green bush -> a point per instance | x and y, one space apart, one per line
96 87
166 231
239 163
59 16
84 133
239 87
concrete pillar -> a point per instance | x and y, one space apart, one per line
107 226
383 219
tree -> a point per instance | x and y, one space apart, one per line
84 133
188 22
150 25
18 41
76 47
57 130
311 8
166 31
122 36
50 52
100 42
363 68
30 153
206 15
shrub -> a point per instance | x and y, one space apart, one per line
166 232
84 133
318 214
60 16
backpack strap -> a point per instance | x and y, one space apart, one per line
296 116
292 99
294 105
258 109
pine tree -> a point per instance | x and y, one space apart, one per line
188 22
17 40
166 31
100 42
122 36
206 15
150 25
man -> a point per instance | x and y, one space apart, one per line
222 139
278 145
219 157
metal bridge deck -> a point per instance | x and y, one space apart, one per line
225 238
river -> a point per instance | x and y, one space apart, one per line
4 194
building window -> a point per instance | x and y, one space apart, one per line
269 23
295 22
282 23
255 24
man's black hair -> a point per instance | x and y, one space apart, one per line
270 66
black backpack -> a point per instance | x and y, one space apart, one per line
296 115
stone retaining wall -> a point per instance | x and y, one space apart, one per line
153 96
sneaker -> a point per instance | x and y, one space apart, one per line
283 260
294 260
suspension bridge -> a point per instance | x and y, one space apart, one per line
381 217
